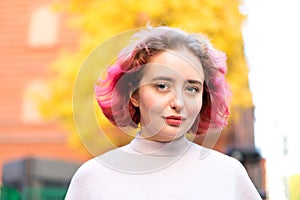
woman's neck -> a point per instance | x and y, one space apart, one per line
160 148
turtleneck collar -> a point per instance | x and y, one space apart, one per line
154 148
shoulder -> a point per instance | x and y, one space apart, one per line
101 165
218 162
229 172
90 176
88 171
90 166
211 155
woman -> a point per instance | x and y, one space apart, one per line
166 83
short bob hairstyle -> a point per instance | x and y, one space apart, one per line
113 92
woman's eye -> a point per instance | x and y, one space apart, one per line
162 86
192 89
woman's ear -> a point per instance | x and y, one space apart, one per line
134 96
134 99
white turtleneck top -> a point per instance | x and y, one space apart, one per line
148 170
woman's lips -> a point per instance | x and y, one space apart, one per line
174 120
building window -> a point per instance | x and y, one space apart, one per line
33 93
43 27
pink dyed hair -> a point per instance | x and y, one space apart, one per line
115 89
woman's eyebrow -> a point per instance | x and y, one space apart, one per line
162 78
191 81
169 79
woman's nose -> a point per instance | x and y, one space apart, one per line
177 102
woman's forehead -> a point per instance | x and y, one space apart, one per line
173 64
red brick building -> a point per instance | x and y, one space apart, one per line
31 36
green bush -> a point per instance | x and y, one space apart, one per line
31 193
9 193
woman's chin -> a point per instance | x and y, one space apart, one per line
165 137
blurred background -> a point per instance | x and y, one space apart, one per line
44 43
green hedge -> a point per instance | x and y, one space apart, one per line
9 193
30 193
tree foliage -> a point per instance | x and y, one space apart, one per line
293 183
99 20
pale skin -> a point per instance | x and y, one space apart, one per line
169 95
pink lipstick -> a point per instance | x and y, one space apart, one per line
174 120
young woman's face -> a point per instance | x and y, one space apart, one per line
169 95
